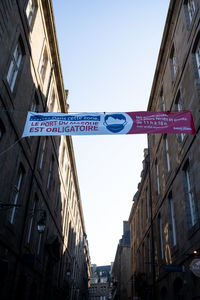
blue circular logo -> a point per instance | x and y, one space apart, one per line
115 122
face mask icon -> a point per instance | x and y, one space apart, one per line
115 122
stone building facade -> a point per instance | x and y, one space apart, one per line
100 282
165 216
44 250
121 283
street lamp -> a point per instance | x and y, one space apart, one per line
42 222
41 228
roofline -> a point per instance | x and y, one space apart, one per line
161 52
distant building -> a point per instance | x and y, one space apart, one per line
164 219
99 283
44 250
121 282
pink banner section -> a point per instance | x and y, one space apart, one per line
162 122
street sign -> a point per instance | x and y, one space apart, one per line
174 268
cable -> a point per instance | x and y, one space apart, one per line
1 153
71 112
198 135
12 110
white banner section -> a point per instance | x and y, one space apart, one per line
44 124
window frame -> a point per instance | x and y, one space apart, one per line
35 103
16 193
166 149
157 177
173 220
30 11
15 64
160 227
197 58
191 214
43 150
52 100
173 63
179 108
43 64
2 130
162 101
149 252
32 219
50 172
147 203
191 9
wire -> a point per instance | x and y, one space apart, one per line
12 110
198 135
71 112
3 152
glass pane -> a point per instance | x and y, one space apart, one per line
10 72
13 80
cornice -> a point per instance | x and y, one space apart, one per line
53 44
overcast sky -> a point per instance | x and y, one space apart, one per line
108 51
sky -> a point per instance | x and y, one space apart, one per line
108 51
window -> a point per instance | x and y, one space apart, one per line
189 197
43 152
172 220
173 63
157 177
166 150
39 243
1 31
162 101
43 64
63 158
149 253
160 236
14 66
1 133
52 101
2 130
50 173
179 107
15 198
6 9
197 58
190 9
30 10
35 103
138 223
143 257
31 223
147 203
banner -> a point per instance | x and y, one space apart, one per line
43 124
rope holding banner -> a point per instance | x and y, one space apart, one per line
3 152
198 135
